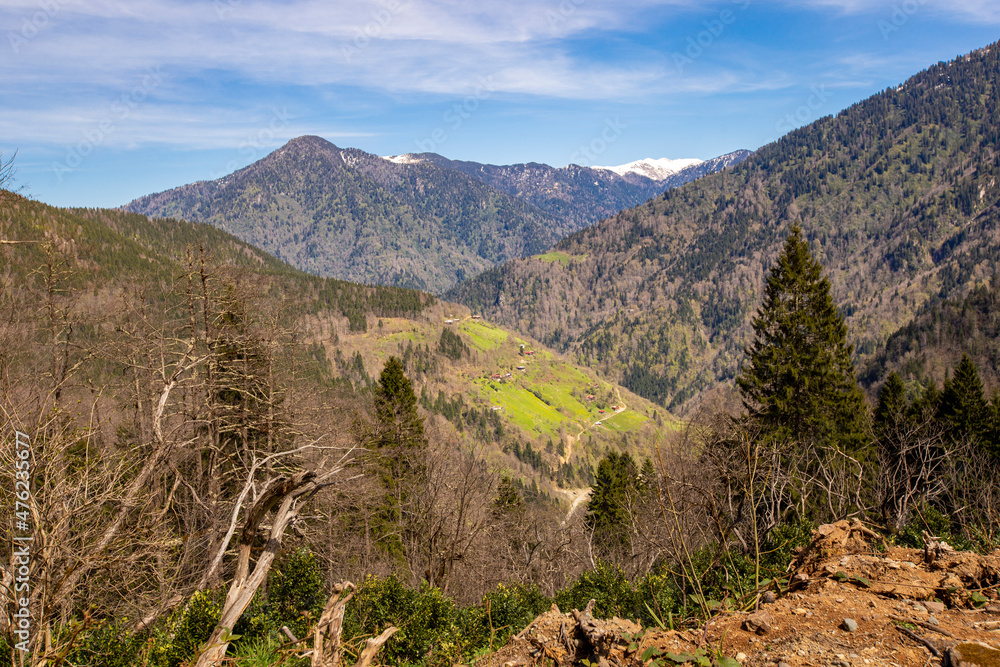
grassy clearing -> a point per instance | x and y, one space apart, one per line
629 420
483 335
522 407
555 256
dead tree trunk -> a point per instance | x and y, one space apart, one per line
285 494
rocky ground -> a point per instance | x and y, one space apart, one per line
851 602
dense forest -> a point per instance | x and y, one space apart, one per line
898 196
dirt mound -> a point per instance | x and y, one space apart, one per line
852 602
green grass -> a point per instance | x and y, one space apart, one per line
555 256
629 420
483 335
522 407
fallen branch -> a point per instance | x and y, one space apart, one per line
926 642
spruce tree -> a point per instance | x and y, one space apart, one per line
963 406
799 384
398 452
618 487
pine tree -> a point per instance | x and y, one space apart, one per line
799 383
398 453
618 487
963 406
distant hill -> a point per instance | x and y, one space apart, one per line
580 195
348 214
898 195
422 222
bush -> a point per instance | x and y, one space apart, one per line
504 611
109 644
426 620
194 627
295 596
608 586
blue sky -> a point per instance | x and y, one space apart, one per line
107 100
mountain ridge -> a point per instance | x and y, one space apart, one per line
898 197
423 223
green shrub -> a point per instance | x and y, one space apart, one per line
296 591
426 620
660 599
109 644
194 627
295 596
607 586
504 611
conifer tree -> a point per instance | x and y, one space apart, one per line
398 452
799 383
618 487
963 405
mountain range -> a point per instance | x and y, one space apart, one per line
897 194
419 221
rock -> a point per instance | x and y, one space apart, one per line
759 623
919 608
935 607
932 620
740 657
783 664
768 597
969 654
849 625
799 611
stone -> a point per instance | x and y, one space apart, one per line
849 625
932 620
768 597
934 607
759 623
968 654
919 608
740 657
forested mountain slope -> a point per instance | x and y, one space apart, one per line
105 273
898 196
576 194
347 214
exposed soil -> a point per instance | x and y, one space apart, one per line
855 604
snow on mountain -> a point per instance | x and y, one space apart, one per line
406 158
656 169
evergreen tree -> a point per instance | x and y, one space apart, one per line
398 426
399 449
963 407
799 383
617 487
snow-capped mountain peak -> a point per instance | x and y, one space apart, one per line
656 169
